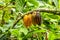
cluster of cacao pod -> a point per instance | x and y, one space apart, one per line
32 18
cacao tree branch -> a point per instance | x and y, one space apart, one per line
40 10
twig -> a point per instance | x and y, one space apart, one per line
2 8
46 36
54 11
3 21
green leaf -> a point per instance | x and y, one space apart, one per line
34 2
59 3
56 3
51 36
19 5
14 32
24 30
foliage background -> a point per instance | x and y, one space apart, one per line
9 11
